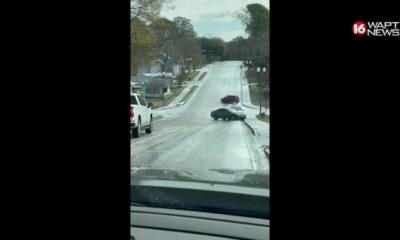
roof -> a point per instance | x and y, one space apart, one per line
155 75
150 81
138 79
135 84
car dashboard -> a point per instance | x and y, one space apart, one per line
180 210
158 223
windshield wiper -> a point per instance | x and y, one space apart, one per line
136 204
230 171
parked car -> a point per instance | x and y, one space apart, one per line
141 115
230 99
226 114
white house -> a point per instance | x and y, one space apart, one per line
154 68
150 87
135 87
176 66
158 75
173 66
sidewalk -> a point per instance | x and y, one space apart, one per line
245 95
260 128
247 102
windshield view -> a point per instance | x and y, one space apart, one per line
199 108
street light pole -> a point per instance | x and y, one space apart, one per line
264 70
189 61
143 86
162 91
259 85
204 55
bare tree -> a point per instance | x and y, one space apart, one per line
243 15
147 9
163 59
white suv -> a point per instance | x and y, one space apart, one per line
141 115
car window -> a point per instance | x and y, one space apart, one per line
133 100
141 100
194 77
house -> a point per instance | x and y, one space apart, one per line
135 88
152 68
158 75
172 68
151 87
176 65
156 68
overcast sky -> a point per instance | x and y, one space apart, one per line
212 17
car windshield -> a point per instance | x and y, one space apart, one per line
188 61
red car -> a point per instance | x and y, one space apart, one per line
230 99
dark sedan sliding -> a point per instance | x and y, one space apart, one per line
226 114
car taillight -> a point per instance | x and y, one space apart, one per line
132 113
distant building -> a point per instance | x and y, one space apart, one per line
172 68
176 66
158 75
153 68
135 88
151 87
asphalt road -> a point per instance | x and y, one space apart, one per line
187 137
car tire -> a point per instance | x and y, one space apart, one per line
215 118
137 130
150 129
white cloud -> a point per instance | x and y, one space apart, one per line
223 17
211 13
197 9
227 35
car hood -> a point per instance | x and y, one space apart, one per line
238 177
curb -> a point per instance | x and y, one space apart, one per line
181 103
250 127
197 77
188 95
249 106
252 107
202 76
